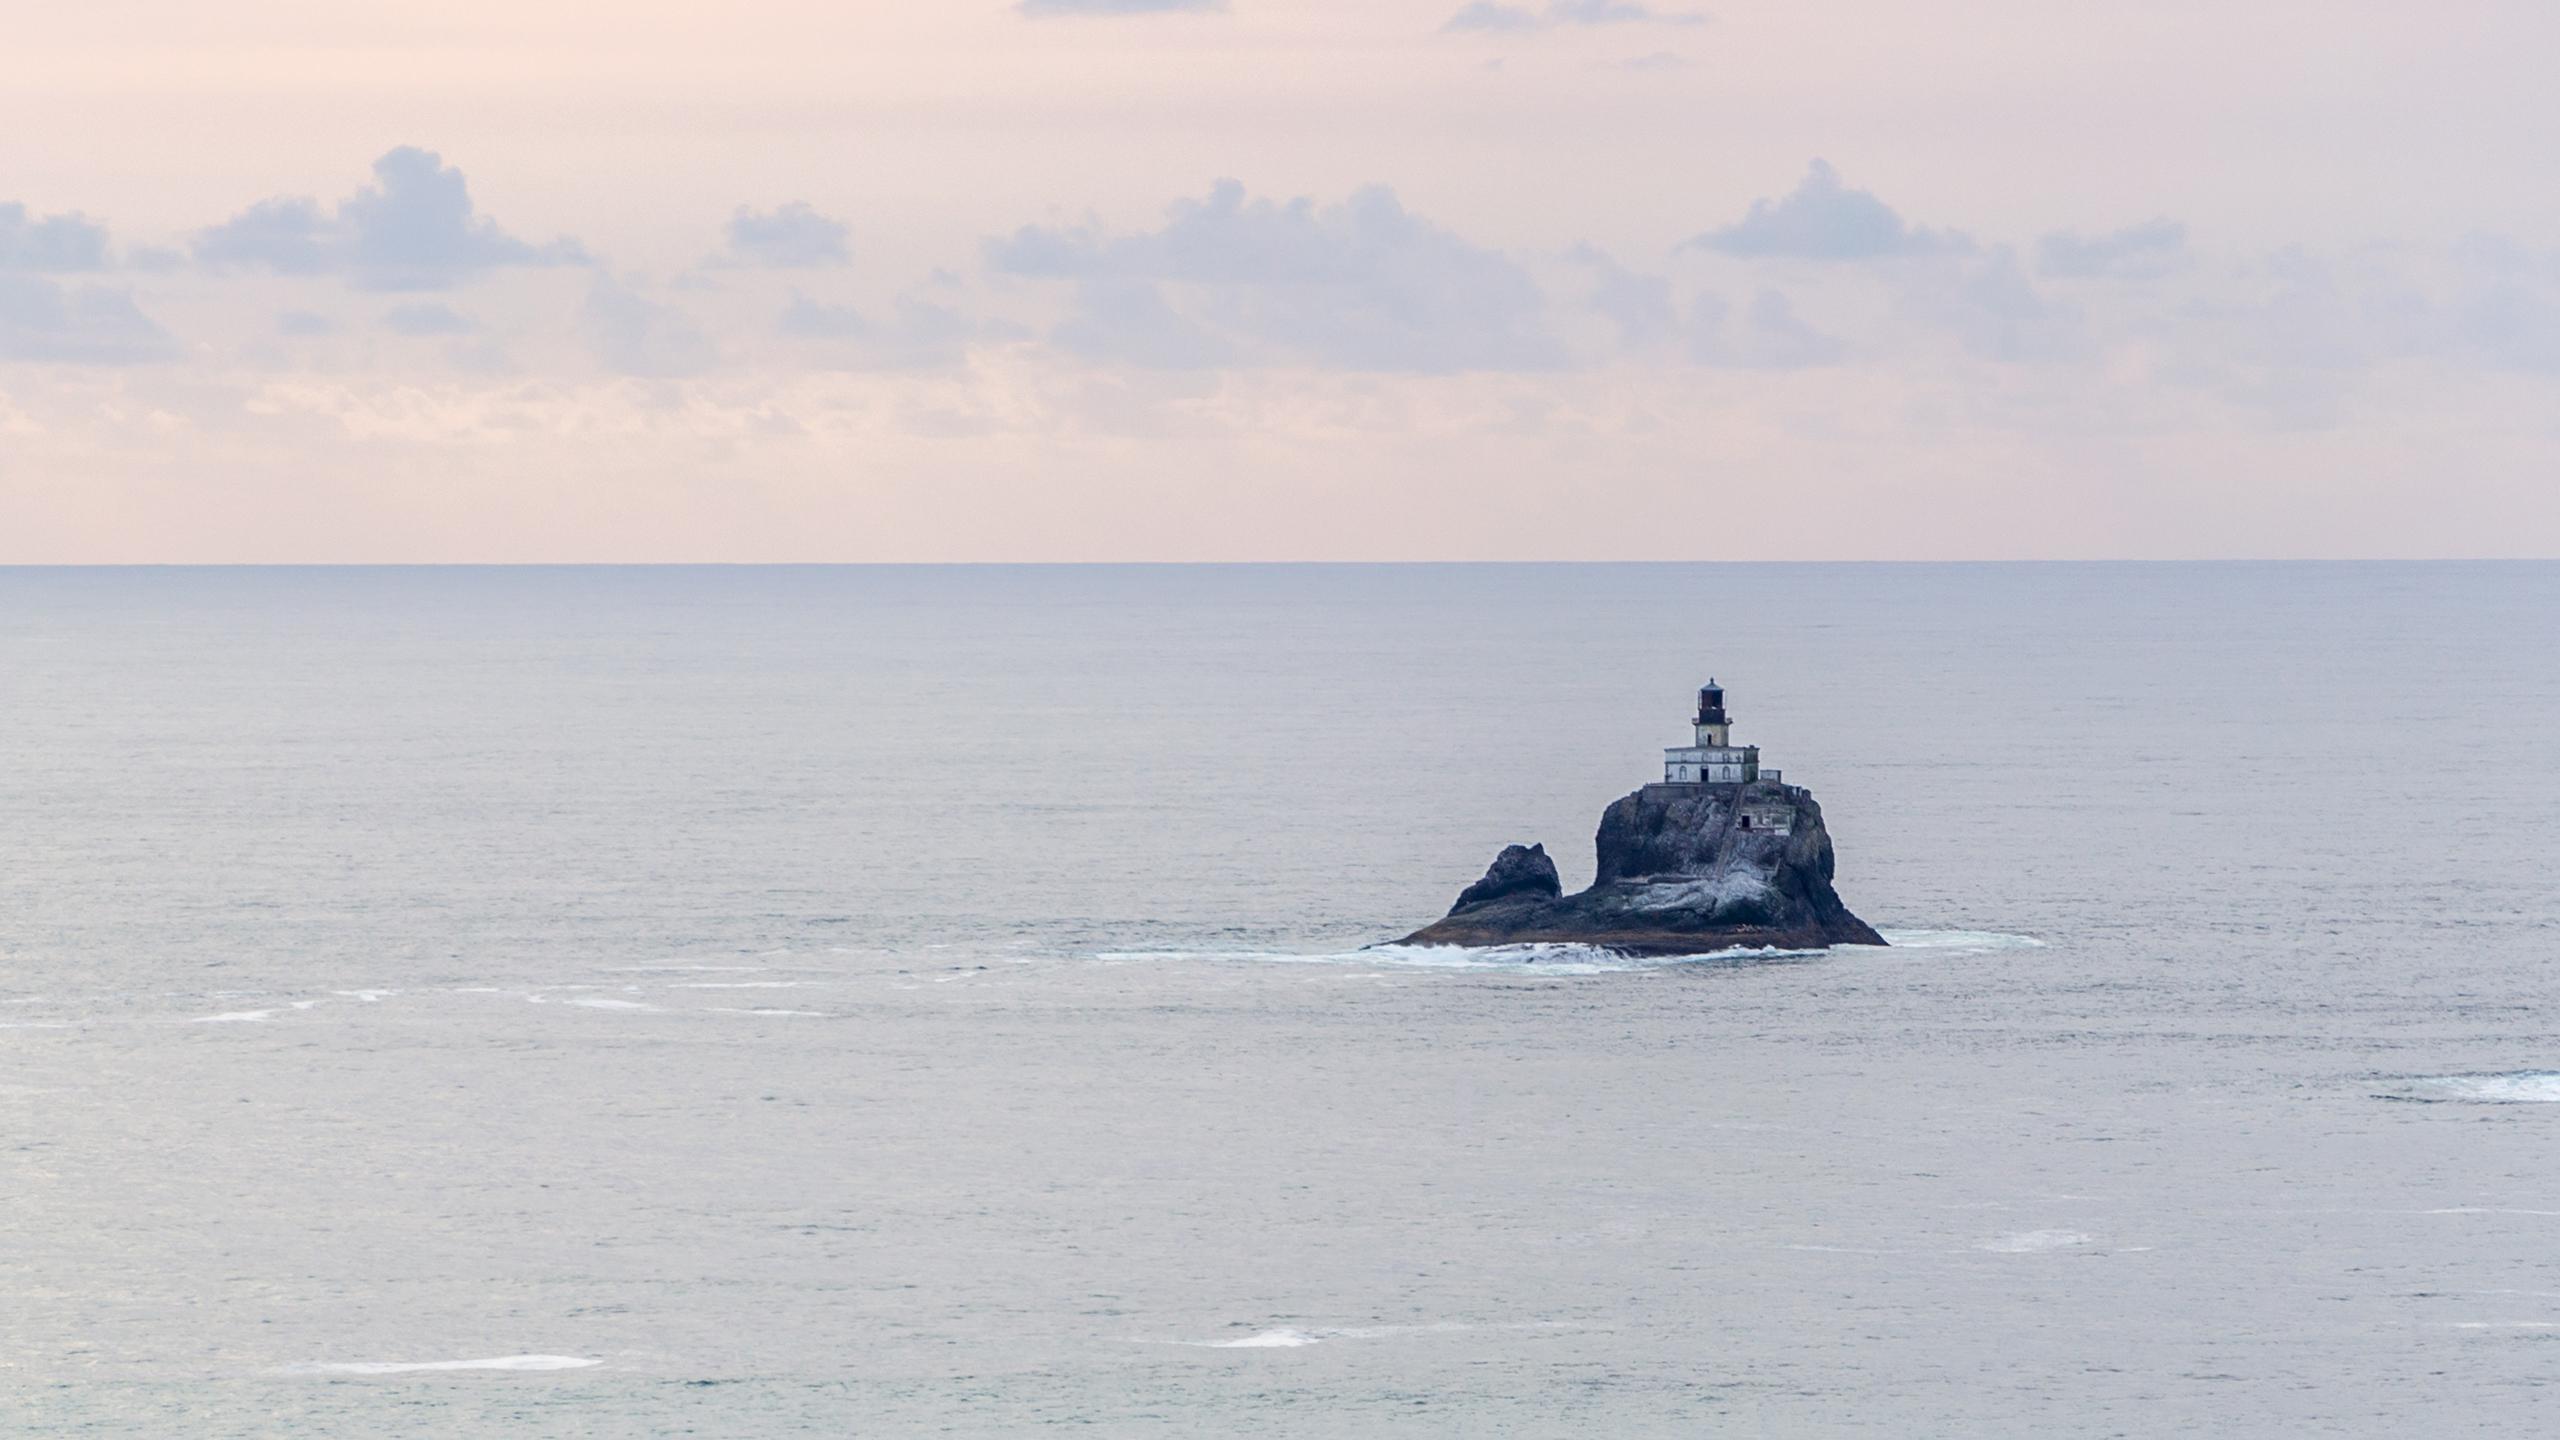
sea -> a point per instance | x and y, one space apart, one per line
747 1002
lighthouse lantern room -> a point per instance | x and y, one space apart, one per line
1715 759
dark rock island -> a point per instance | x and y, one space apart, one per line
1719 856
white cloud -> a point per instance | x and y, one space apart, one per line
807 319
1489 16
1639 306
55 243
414 229
788 237
1361 285
1998 314
1768 335
918 333
2136 252
1130 322
632 335
43 320
1823 219
2511 327
427 320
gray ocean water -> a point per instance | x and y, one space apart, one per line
745 1002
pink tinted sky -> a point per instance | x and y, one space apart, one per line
1277 279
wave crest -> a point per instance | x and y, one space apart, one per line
2507 1087
1575 959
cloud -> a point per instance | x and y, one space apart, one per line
1822 219
1363 285
42 320
2512 328
1997 313
1486 16
304 324
2504 306
1768 335
56 243
790 237
427 319
807 319
924 334
1046 9
919 334
632 335
1639 305
289 237
415 229
1129 322
2136 252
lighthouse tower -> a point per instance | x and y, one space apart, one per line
1715 759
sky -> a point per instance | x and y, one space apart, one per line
1070 280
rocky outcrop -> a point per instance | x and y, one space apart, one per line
1684 870
1518 870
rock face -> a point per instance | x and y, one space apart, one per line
1518 870
1684 870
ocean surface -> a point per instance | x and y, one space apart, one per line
829 1002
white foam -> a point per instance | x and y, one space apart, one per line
1267 1340
370 997
1488 959
1575 959
598 1002
738 985
811 1014
1291 1338
2032 1242
683 969
2515 1087
2485 1210
1961 941
235 1017
411 1367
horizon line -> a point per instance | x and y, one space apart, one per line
7 565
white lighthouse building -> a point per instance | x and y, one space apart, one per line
1715 759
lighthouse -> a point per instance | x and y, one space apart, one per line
1714 759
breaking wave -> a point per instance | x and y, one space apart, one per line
1959 941
2035 1242
2511 1087
1576 959
413 1367
1492 959
1290 1338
